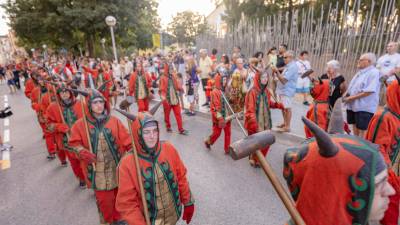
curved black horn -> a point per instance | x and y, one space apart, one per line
325 144
154 109
336 122
126 114
83 93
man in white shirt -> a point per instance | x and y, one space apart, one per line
389 63
205 64
128 66
303 83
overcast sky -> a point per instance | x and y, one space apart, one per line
166 10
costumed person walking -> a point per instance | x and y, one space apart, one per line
337 178
101 153
258 106
163 175
140 85
219 111
169 88
319 110
61 116
384 130
41 99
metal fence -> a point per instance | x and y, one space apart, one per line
341 33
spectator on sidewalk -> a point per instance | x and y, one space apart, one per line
205 66
10 80
190 96
303 82
286 88
280 61
272 56
193 72
362 96
337 81
388 65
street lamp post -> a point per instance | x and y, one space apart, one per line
44 52
103 41
111 21
33 52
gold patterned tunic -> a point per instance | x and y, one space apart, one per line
263 117
106 167
166 214
173 96
141 88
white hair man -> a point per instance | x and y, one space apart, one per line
389 64
362 96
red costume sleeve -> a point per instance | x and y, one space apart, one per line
29 86
128 201
383 137
215 105
163 86
123 138
180 172
52 116
250 113
132 84
77 139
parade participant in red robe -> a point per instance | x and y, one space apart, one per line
102 80
109 141
61 116
30 84
337 179
163 175
219 112
41 99
140 87
169 88
319 111
384 130
258 106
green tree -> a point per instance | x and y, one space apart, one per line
185 26
74 23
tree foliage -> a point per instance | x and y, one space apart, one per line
80 23
185 26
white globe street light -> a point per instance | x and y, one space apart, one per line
111 22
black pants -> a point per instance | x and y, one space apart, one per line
17 84
204 83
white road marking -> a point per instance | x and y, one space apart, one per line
5 155
6 137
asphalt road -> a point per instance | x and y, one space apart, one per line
38 192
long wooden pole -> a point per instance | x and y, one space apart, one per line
87 128
273 179
139 175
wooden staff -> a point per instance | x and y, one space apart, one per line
87 128
130 118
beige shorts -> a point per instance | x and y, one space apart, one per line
286 101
